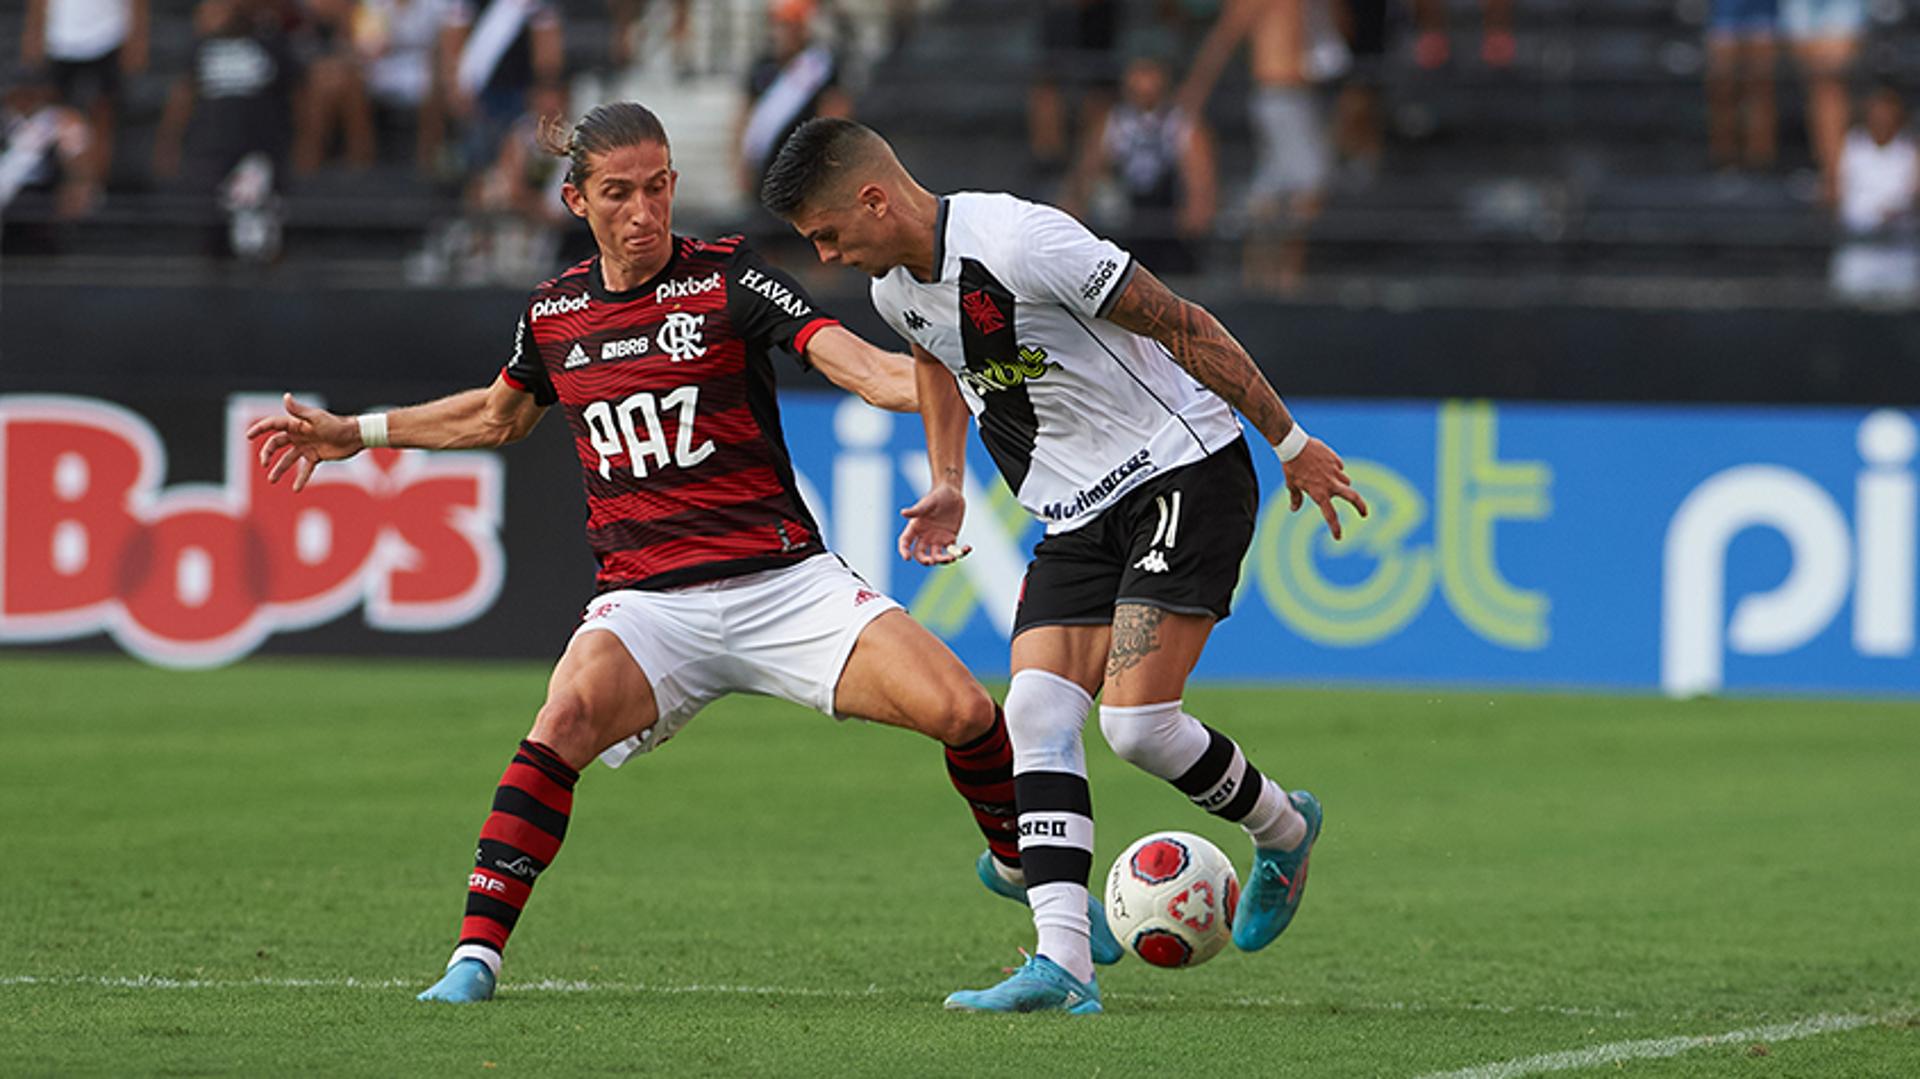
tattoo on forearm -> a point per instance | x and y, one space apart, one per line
1200 344
1136 635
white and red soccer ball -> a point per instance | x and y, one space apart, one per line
1170 899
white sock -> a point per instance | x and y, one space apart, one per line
1060 914
477 951
1273 823
1013 875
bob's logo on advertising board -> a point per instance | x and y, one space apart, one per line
196 575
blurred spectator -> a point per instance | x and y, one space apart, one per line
87 45
1163 160
1879 180
491 60
516 203
44 146
395 41
795 81
625 25
225 126
1825 37
1741 56
1497 45
1077 40
1359 118
333 95
1293 156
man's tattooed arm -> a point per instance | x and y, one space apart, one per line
1204 347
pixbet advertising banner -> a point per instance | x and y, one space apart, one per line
1685 549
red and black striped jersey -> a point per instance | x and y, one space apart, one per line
669 390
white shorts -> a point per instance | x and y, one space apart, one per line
782 633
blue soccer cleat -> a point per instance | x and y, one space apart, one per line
1039 985
468 981
1100 939
1275 884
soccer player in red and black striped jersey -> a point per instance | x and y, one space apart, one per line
713 575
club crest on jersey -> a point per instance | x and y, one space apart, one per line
1030 364
982 312
680 336
680 290
559 305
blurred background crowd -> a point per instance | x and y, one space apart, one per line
1316 148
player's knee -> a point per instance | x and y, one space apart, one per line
967 717
1145 736
1045 714
565 723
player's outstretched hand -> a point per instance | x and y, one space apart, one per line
301 439
1319 473
932 535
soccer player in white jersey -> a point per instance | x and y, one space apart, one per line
1108 404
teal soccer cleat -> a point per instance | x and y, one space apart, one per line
1039 985
1275 884
1105 947
465 982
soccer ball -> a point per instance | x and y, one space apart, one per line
1170 899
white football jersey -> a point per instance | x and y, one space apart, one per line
1075 410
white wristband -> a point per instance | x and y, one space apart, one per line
1290 446
373 429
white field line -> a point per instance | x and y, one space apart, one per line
548 985
553 985
1614 1052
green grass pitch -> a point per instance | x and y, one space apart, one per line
251 871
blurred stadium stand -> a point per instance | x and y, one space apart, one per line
1578 177
1585 159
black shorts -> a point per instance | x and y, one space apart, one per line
1175 542
82 82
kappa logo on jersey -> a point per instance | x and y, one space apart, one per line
993 375
1098 279
480 882
1152 562
775 293
982 312
559 305
629 346
576 358
200 574
680 336
915 320
680 290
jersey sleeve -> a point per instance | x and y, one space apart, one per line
887 307
769 307
524 371
1055 259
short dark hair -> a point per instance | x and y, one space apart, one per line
603 128
815 156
